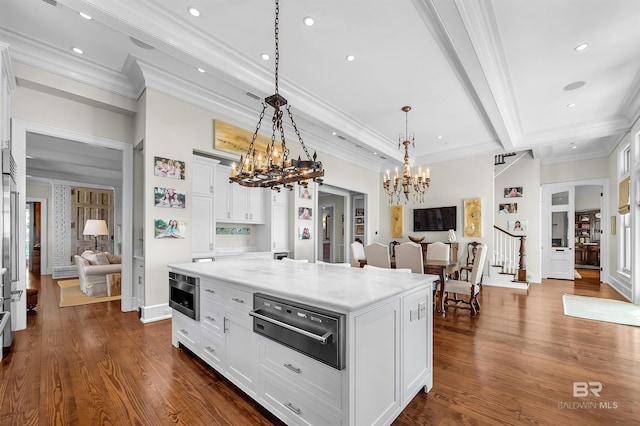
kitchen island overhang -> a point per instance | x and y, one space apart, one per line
389 338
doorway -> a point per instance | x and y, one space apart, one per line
573 232
35 236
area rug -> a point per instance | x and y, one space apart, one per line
71 295
598 309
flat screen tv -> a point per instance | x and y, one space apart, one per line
434 219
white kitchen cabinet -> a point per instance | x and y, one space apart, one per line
222 191
186 331
203 175
138 280
415 360
274 236
241 365
7 84
235 203
203 227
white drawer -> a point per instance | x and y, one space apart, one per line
212 316
213 350
324 383
292 406
239 299
186 331
211 290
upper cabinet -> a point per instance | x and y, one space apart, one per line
7 84
235 203
203 202
203 176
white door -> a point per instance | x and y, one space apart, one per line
558 231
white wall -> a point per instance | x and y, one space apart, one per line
451 183
574 171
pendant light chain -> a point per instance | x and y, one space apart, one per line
277 38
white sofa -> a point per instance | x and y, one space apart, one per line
93 269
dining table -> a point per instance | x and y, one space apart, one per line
442 268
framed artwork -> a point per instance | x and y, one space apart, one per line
166 167
517 225
359 220
397 228
230 138
359 212
513 192
169 228
473 218
305 193
167 197
304 233
359 229
508 208
304 213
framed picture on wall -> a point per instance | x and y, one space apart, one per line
166 167
167 197
305 193
517 225
508 208
513 192
304 213
304 233
169 228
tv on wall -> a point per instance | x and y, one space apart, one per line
435 219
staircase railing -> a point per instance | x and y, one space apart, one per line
509 253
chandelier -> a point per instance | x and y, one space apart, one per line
273 168
418 184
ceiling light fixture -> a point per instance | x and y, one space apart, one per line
571 105
201 70
85 16
77 50
407 184
581 47
308 21
194 12
273 168
265 57
350 58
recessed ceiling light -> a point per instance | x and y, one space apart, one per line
350 58
581 46
29 157
574 146
77 50
85 16
570 105
308 21
264 57
194 12
573 86
375 153
439 137
333 133
201 70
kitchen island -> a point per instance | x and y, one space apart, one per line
388 324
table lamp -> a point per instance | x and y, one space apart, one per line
95 227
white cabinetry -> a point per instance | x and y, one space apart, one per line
7 84
203 227
235 203
415 356
274 236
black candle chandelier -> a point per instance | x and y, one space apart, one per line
273 168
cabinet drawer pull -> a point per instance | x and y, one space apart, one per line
210 318
292 408
235 299
185 332
208 290
292 368
224 326
210 349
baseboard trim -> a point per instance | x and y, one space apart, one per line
155 313
619 287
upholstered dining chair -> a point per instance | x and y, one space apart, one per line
409 255
471 288
438 251
371 268
357 253
472 249
377 254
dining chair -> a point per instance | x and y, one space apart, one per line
357 253
438 251
377 254
371 268
472 249
409 255
471 288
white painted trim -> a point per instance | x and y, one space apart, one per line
155 313
620 287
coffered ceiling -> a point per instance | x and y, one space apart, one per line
488 76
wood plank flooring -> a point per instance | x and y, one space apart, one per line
514 364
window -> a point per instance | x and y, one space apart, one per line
625 161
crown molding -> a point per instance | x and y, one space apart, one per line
5 56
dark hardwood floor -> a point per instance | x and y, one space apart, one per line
514 363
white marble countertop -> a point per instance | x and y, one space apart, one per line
332 287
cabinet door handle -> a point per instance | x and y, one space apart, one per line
225 328
210 318
208 290
210 349
292 368
235 299
185 332
210 246
292 408
211 189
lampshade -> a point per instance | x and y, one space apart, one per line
95 227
